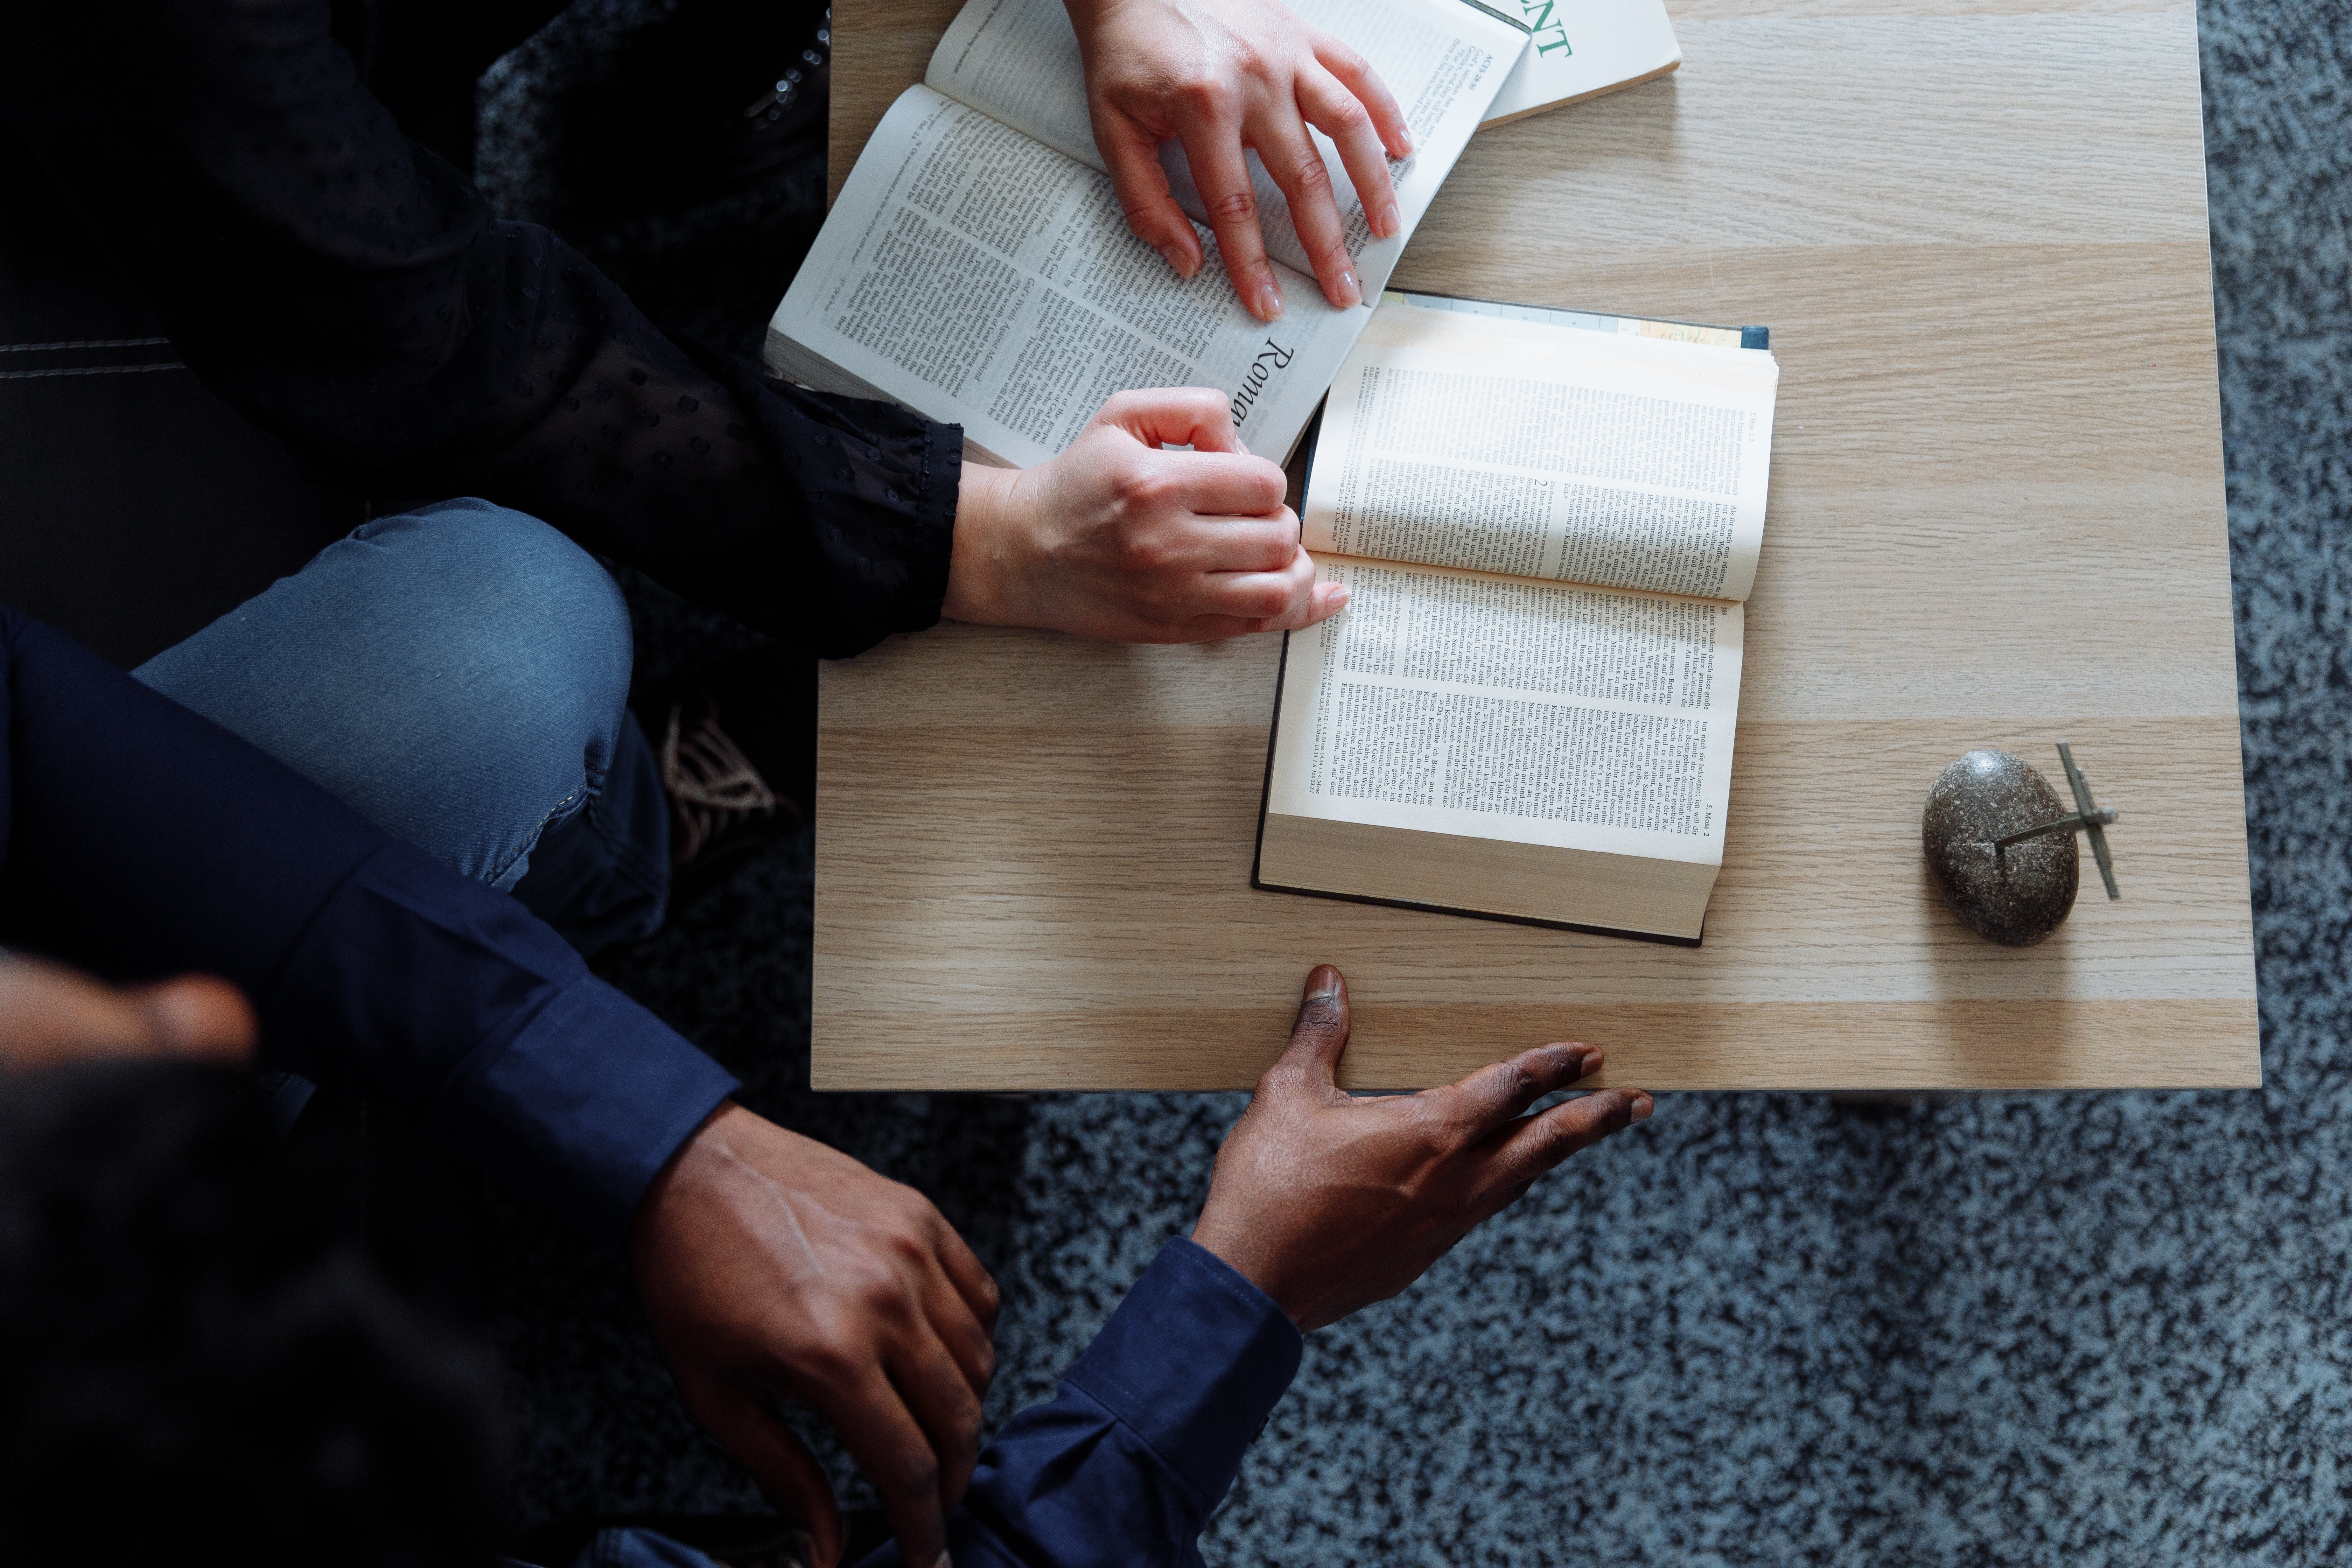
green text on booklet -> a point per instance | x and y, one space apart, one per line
977 267
1581 48
1549 524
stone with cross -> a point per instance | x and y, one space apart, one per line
2000 844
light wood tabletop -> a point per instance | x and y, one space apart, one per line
1977 230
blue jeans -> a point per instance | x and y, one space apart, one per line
458 675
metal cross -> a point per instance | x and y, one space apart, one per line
2089 817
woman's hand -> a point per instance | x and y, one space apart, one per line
1118 540
1223 76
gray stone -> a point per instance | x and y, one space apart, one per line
2018 896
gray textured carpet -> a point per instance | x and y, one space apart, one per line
2110 1329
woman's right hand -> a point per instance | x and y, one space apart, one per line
1119 540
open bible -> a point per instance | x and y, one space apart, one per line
978 269
1549 524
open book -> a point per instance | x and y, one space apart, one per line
1582 48
977 267
1549 524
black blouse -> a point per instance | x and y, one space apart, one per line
353 293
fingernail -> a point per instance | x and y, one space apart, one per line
1642 1106
1390 222
1179 259
943 1561
1348 294
1325 982
1338 599
1269 301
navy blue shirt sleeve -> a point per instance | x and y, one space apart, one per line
1143 1440
137 841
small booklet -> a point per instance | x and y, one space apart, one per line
1581 49
1548 521
977 267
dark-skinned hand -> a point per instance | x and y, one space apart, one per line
1328 1202
774 1269
50 1017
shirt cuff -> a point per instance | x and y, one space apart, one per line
584 1106
439 999
941 464
1194 1360
882 485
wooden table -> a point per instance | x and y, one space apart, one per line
1977 230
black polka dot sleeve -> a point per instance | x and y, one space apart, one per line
353 293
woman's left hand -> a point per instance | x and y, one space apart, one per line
1224 76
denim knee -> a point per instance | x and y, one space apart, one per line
499 593
456 674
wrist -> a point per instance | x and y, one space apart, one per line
980 569
1232 1246
677 1173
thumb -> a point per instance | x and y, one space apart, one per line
1320 1035
787 1474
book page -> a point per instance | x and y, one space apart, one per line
978 277
1495 708
1018 61
1497 445
1582 48
1584 321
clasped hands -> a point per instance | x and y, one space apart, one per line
774 1269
